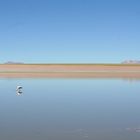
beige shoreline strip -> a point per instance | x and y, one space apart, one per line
127 75
69 71
77 71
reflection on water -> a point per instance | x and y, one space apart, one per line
19 90
131 80
70 109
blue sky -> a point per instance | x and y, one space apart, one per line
69 31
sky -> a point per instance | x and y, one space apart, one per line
69 31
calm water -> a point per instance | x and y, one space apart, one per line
70 109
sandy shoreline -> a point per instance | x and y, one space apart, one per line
69 71
71 75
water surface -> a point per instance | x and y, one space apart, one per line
70 109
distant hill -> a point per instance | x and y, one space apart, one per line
131 62
11 62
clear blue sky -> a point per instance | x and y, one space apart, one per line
69 31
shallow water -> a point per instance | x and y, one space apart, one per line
70 109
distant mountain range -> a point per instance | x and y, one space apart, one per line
11 62
131 62
123 62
